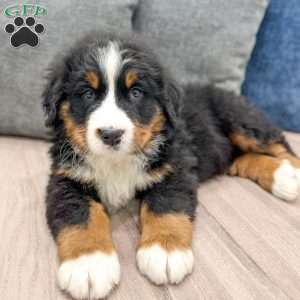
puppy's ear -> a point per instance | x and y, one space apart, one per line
52 95
172 101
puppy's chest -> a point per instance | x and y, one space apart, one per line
116 181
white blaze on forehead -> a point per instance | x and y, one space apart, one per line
110 62
108 114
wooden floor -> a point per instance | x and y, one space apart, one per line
246 242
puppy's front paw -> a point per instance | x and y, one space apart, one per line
162 266
90 276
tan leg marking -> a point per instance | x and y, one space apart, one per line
75 241
244 143
170 231
89 266
75 132
281 152
164 253
275 175
257 167
247 144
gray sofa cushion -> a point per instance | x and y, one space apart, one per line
206 40
22 69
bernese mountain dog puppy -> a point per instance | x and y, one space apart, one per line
124 130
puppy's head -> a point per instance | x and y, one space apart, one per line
110 95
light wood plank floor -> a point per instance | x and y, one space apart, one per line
246 242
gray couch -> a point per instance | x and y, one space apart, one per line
246 242
207 41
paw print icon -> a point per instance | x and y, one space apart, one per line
24 32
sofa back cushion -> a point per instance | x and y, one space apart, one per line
203 40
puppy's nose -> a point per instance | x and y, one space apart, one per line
110 136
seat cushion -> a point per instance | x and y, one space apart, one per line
245 240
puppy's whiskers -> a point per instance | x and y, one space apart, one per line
70 156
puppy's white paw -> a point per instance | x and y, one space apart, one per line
90 276
286 183
161 266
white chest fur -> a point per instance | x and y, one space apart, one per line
116 179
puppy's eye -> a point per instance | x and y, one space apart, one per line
135 94
88 96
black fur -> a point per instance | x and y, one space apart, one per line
68 203
196 145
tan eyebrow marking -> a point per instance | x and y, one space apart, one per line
93 79
130 78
